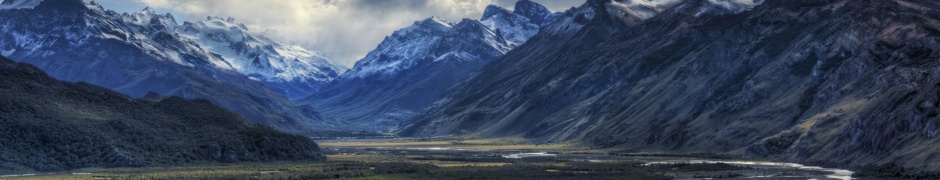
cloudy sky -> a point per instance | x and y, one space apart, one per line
343 29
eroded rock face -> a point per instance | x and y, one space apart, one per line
827 82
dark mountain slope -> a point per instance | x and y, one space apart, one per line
49 125
842 83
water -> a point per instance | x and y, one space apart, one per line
528 155
836 173
603 158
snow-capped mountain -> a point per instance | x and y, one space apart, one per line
289 69
140 53
415 65
520 24
419 42
402 49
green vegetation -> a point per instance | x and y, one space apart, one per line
401 170
893 171
335 134
49 125
423 163
694 155
464 143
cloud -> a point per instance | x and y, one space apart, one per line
346 30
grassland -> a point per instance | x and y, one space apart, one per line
455 143
395 170
440 159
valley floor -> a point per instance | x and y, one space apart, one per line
444 158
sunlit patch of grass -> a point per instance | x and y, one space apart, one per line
489 144
845 107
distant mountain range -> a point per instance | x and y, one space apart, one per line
144 52
836 83
50 125
415 65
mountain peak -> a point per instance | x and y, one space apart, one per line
433 21
493 10
470 24
466 20
520 24
149 17
534 11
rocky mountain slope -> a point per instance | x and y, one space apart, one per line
144 52
839 83
412 67
50 125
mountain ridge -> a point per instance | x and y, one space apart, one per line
51 125
829 83
76 41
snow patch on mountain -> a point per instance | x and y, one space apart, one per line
148 17
461 56
633 12
397 51
512 27
735 6
7 52
19 4
520 25
257 56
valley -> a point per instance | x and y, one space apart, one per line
453 158
604 89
